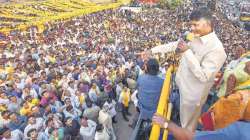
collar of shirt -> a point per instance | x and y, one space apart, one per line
207 37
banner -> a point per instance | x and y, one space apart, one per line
20 16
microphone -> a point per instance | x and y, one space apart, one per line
185 38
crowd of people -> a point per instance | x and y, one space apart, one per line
67 82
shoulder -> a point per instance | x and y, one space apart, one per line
215 47
218 50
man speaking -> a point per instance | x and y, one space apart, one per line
201 59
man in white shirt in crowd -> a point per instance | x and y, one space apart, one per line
106 120
87 129
7 134
111 109
14 104
33 123
201 59
4 118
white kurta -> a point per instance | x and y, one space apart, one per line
195 75
88 133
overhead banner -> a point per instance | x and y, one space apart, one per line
20 16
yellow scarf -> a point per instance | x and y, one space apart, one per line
81 99
125 97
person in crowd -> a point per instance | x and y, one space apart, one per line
14 104
34 134
106 120
33 123
92 111
17 122
235 102
134 98
26 109
111 104
124 100
45 98
88 128
72 112
3 100
94 93
57 133
72 128
7 134
118 90
236 74
101 133
4 118
149 87
37 111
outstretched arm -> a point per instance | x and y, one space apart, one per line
178 132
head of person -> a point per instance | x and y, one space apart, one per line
152 67
35 109
239 51
69 108
53 131
13 116
201 22
68 121
32 120
25 105
71 84
125 88
45 94
89 103
3 95
17 80
5 114
94 86
67 93
99 127
67 102
84 121
28 98
5 133
13 99
49 122
47 109
32 134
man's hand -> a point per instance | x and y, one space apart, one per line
182 46
159 119
231 84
